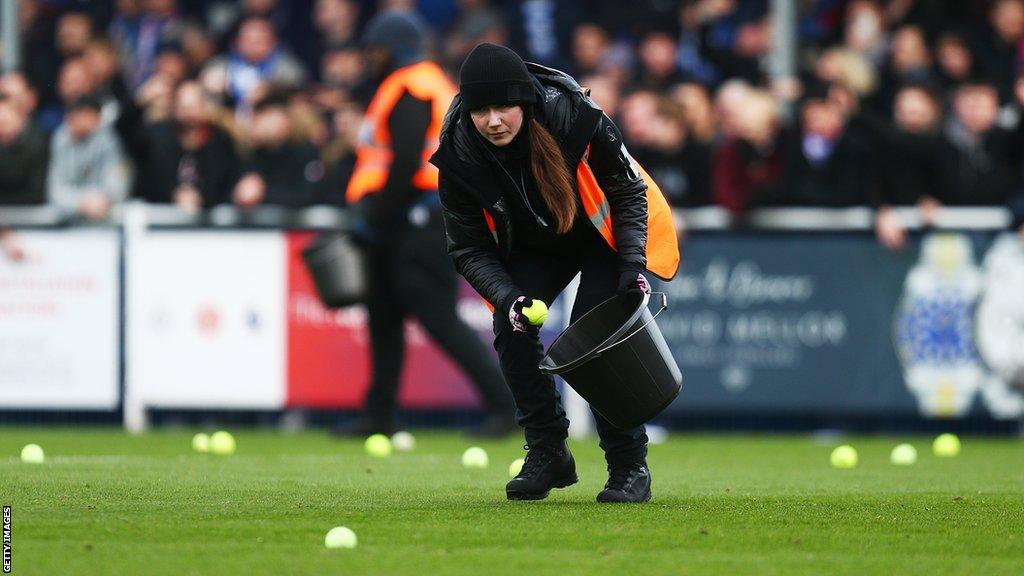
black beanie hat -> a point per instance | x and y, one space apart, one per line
495 75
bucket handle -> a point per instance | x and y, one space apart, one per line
616 341
664 306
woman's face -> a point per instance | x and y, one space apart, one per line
499 124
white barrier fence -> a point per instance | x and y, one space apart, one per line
60 322
209 315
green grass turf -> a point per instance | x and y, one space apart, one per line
109 503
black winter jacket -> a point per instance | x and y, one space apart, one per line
468 186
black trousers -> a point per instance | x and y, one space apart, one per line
544 275
411 275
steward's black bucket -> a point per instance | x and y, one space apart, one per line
617 359
336 264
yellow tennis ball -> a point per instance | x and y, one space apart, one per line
946 445
201 443
536 313
475 457
222 443
903 455
378 446
403 441
340 537
515 467
844 456
32 454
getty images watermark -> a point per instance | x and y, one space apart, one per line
7 539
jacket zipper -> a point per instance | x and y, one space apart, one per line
521 190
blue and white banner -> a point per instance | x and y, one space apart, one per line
806 324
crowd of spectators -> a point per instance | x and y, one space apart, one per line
197 103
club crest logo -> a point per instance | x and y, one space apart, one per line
959 330
934 327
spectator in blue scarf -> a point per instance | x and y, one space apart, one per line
257 60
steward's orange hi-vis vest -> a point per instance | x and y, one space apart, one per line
662 239
424 81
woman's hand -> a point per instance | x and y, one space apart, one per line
633 281
527 315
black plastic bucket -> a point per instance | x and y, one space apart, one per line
336 264
617 359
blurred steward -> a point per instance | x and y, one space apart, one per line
394 190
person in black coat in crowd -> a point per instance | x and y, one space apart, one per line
916 160
987 157
280 170
827 163
23 157
188 161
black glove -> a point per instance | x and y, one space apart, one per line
633 281
518 320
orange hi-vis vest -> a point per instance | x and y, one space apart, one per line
662 239
424 81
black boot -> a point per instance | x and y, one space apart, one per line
546 467
364 426
627 482
496 425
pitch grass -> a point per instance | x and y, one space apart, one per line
109 503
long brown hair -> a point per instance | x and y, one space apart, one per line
552 176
